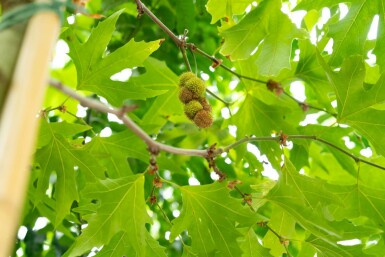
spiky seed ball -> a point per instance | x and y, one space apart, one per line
192 108
184 77
203 119
185 95
205 104
197 86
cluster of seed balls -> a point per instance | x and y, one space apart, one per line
192 94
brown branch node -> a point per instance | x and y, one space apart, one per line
283 139
157 182
275 87
62 108
153 199
153 166
232 184
125 109
211 153
140 9
262 224
304 106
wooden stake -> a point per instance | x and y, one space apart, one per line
19 122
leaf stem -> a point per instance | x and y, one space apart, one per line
280 238
185 59
303 104
227 104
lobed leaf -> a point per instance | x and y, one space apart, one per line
211 217
95 67
119 222
60 157
259 29
356 101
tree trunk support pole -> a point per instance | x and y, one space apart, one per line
19 122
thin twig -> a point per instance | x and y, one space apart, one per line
143 9
156 146
195 49
169 221
309 137
281 239
303 104
227 104
287 249
185 59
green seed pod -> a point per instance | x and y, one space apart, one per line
203 119
192 108
197 86
185 77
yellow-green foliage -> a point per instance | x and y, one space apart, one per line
192 108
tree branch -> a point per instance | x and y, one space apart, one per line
143 9
155 146
218 62
308 137
152 144
185 59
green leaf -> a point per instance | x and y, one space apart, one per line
219 8
121 209
310 71
260 25
324 249
282 223
120 245
61 157
262 120
95 68
325 166
355 24
185 18
210 216
63 128
357 101
251 246
335 136
156 76
165 105
113 152
360 200
301 197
